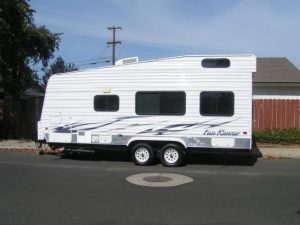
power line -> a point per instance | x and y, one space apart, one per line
89 60
94 60
114 42
127 52
105 60
103 51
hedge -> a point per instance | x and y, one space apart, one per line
278 136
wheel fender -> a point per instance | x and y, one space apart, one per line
145 139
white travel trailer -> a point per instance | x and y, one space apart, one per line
165 106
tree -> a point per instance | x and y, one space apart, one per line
58 66
22 44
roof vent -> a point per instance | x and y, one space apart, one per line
127 61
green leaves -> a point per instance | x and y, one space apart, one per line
22 43
40 44
278 136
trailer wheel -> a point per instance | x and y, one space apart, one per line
142 154
171 155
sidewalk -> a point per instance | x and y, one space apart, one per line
17 145
280 151
268 151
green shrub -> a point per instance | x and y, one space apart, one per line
278 136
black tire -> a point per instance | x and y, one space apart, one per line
142 154
171 155
66 153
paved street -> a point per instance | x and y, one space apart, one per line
227 190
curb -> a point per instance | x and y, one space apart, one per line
18 149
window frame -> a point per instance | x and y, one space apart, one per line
114 95
218 115
153 92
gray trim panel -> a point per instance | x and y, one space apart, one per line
191 142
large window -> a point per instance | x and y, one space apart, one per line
160 103
215 103
106 103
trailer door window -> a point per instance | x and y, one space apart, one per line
214 103
106 103
160 103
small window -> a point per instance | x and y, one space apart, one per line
160 103
215 63
106 103
213 103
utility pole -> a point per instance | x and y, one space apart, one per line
114 42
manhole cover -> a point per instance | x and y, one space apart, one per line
159 179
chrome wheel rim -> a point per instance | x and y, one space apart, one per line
171 155
142 154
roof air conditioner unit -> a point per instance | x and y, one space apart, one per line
127 61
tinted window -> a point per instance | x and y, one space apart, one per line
215 63
106 103
216 103
160 103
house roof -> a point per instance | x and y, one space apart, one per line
32 92
276 70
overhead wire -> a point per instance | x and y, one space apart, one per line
93 60
129 52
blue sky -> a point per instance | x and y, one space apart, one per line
161 28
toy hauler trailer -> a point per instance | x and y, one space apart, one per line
166 106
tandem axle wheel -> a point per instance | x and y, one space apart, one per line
170 155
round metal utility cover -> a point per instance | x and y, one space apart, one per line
159 179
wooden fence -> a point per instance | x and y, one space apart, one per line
276 114
31 112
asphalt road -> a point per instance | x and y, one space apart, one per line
53 190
